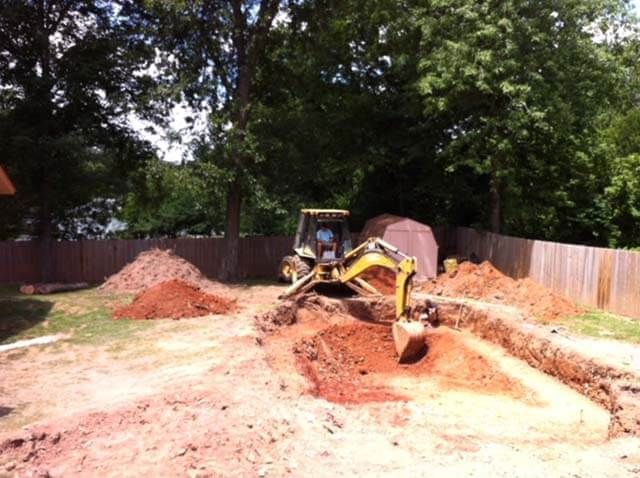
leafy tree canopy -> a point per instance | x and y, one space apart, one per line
510 115
70 72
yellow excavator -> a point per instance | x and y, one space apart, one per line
323 254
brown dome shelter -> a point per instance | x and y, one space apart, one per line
411 237
6 186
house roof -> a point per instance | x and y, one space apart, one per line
6 186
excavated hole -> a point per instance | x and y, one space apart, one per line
356 363
353 361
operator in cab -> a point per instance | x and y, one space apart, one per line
327 246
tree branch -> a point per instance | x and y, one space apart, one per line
266 14
239 31
61 16
212 50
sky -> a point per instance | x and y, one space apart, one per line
168 150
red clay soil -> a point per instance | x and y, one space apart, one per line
154 266
485 282
382 279
174 299
340 361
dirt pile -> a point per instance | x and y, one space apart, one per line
154 266
382 279
174 299
354 363
485 282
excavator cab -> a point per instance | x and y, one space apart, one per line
324 254
322 235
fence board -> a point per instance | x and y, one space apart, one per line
19 261
446 239
93 261
605 278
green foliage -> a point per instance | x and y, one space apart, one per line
339 119
621 198
522 88
170 200
424 110
454 112
624 133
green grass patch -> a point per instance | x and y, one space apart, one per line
85 315
596 323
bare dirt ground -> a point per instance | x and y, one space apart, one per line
215 396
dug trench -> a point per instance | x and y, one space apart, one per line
615 388
344 350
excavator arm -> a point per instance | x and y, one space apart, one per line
375 252
408 335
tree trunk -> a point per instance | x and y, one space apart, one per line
47 264
495 195
248 44
230 264
46 232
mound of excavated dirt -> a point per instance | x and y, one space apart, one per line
154 266
382 279
174 299
351 364
485 282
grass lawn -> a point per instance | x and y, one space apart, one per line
84 315
597 323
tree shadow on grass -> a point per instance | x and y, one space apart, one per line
19 314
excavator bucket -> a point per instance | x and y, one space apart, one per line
409 340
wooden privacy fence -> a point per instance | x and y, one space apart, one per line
605 278
19 261
93 261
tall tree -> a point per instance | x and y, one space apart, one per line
339 107
620 201
522 85
169 200
212 50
